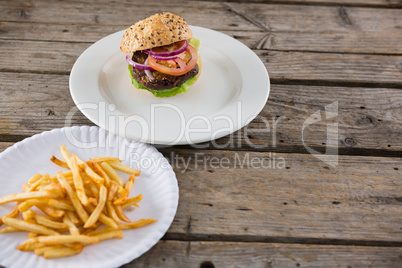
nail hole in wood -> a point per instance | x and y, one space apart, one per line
207 264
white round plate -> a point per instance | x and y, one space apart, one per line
157 183
231 91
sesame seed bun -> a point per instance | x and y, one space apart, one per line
158 30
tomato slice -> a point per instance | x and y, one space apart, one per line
183 64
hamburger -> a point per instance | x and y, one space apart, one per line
164 57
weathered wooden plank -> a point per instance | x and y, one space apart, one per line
294 196
194 254
269 16
229 254
368 118
109 13
334 68
265 197
367 42
285 27
381 70
368 3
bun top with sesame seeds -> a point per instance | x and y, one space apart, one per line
158 30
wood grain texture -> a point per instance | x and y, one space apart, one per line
286 197
194 254
365 3
259 255
277 27
370 42
368 118
312 68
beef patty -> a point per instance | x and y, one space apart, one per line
161 80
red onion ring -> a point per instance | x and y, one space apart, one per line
164 58
138 65
167 54
148 72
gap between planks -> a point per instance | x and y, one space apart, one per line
282 240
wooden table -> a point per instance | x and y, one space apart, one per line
305 212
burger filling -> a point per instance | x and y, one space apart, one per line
166 70
156 80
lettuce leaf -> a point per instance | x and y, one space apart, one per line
172 91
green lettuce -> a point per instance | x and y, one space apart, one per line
172 91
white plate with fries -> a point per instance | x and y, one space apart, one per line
99 201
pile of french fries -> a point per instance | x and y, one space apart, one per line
72 209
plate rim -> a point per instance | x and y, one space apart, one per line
208 137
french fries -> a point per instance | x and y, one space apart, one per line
78 203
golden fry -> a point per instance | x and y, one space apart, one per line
24 206
109 235
49 223
92 174
34 178
130 183
13 214
123 226
29 216
98 210
132 201
112 212
61 204
108 221
30 227
93 201
136 224
58 162
73 198
32 234
40 251
112 190
10 229
98 169
63 239
30 246
103 218
79 186
66 155
52 212
72 217
120 213
112 173
54 187
61 252
25 196
73 229
33 186
125 169
106 159
67 174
